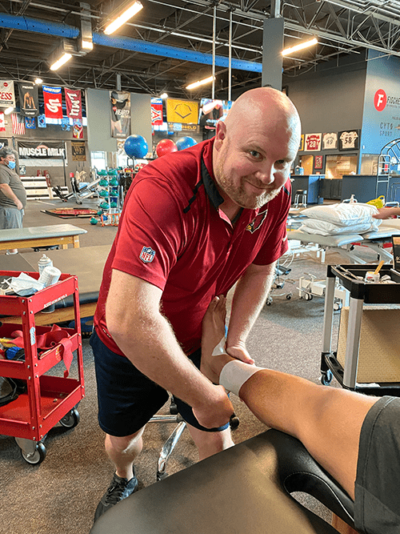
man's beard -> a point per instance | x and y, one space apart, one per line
238 193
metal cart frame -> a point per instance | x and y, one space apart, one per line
352 278
48 399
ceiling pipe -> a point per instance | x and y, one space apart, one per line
124 43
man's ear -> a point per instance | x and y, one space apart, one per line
220 134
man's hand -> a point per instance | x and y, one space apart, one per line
216 412
240 352
19 204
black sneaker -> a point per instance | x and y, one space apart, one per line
119 489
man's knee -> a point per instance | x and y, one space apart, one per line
121 444
209 443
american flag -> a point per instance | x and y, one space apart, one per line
18 124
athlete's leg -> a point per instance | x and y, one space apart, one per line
327 420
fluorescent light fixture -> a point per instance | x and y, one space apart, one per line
300 46
60 62
87 45
38 81
8 110
123 17
200 82
164 96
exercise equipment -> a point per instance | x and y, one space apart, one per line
136 146
185 142
166 146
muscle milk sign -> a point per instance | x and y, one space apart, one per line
48 150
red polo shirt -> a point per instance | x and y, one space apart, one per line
173 235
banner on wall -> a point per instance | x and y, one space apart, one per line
156 111
30 123
313 142
184 111
2 123
28 98
41 121
179 127
18 124
77 130
52 102
78 150
73 101
7 94
38 149
349 140
329 141
120 104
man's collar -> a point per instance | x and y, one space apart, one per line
210 187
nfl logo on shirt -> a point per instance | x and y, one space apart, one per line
147 254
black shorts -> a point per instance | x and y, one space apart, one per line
377 488
127 399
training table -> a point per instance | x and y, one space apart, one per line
41 236
87 263
244 489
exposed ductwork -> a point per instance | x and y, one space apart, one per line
124 43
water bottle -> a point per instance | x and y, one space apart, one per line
43 263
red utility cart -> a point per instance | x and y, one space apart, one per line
48 400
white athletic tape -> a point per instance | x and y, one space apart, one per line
220 348
235 374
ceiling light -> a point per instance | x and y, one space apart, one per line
61 61
8 110
201 82
164 96
123 17
300 46
38 81
86 45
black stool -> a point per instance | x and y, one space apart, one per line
300 196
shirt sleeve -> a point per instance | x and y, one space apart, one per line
150 233
276 243
4 176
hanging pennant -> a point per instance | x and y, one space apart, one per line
28 98
73 102
52 102
156 111
30 123
7 95
41 121
2 123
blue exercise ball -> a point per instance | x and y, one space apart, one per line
185 142
136 146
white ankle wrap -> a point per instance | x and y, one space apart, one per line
235 374
220 348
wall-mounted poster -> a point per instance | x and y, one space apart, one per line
318 163
156 111
7 95
329 141
28 98
78 150
313 142
120 103
301 146
185 111
349 140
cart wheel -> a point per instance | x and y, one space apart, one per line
288 296
326 377
269 301
36 457
337 306
71 419
308 296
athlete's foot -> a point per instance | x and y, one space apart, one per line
213 331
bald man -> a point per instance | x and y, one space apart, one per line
194 223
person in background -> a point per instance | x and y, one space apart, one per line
12 193
354 437
194 223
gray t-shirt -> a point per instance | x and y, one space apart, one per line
7 176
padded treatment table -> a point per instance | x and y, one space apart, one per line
41 236
87 263
244 489
343 243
